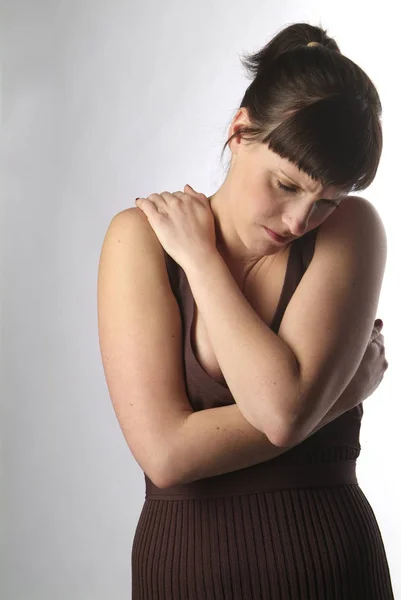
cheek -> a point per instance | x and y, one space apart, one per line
266 204
256 203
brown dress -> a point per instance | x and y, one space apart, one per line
297 527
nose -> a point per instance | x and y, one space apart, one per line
296 226
297 222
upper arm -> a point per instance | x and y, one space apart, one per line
329 319
140 331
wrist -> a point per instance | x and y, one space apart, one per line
203 262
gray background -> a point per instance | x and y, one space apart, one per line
103 102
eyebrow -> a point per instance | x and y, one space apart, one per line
294 182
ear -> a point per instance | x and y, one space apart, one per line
241 119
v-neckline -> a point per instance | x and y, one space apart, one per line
195 362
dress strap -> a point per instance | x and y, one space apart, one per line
308 247
301 254
173 275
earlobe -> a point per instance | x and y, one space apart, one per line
240 120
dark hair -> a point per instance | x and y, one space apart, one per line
315 107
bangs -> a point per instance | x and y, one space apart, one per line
333 140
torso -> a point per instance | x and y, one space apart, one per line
262 290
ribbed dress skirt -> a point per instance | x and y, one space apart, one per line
320 543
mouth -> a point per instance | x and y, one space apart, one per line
277 237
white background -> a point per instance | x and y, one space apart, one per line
103 102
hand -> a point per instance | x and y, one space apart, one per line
372 366
183 223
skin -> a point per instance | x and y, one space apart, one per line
250 197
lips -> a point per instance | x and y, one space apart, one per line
277 237
279 234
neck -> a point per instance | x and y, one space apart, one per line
235 254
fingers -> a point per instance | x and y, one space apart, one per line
376 336
378 325
191 191
190 188
376 332
161 199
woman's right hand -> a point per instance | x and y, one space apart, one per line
372 366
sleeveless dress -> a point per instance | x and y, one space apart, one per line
296 527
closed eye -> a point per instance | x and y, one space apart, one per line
286 188
293 190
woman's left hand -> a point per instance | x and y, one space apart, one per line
183 223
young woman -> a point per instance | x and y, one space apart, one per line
236 338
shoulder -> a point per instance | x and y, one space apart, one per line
354 234
132 218
133 227
355 219
131 239
352 242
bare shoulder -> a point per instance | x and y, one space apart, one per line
355 217
353 238
135 218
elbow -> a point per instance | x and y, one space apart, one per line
160 478
166 480
165 474
156 472
285 432
174 463
279 433
282 437
161 482
290 433
283 429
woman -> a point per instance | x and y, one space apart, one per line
236 338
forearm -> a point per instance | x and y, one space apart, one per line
259 368
350 398
220 440
215 441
